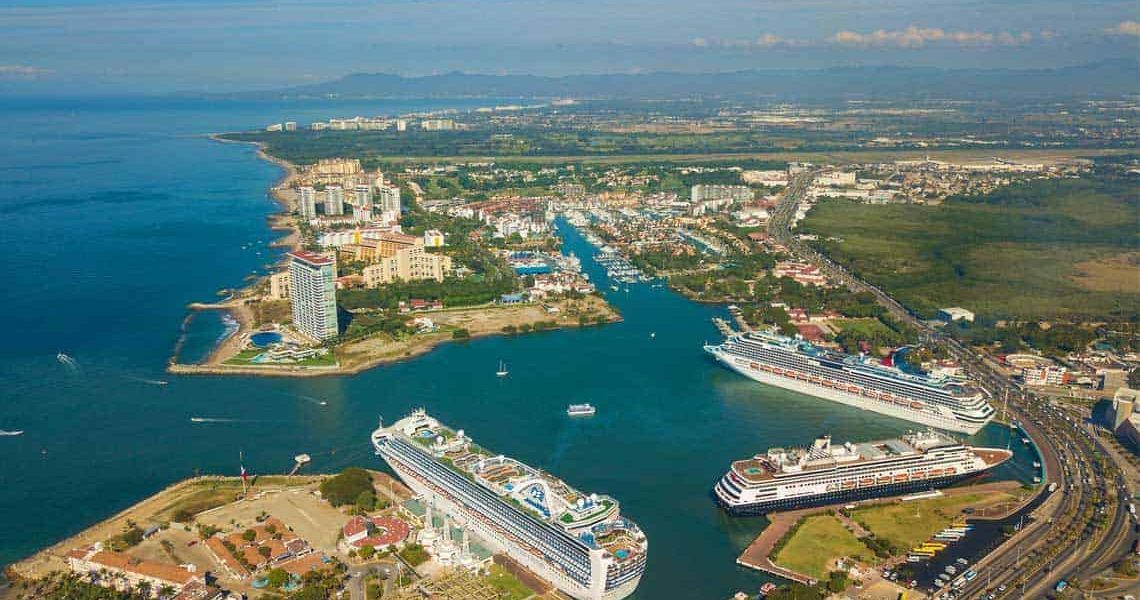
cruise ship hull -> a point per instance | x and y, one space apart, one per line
497 541
836 497
927 416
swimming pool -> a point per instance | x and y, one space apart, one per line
265 338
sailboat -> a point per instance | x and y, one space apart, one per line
502 372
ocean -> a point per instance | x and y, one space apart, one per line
118 212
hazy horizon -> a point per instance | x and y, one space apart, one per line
234 45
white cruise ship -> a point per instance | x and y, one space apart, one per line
783 479
858 381
578 542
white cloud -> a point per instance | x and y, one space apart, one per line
918 37
1129 28
766 40
22 71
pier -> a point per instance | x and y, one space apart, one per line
724 327
758 554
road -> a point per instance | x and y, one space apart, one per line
1083 527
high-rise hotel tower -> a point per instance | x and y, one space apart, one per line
312 290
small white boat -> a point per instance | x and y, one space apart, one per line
1024 440
11 433
323 403
581 410
1036 465
502 372
652 334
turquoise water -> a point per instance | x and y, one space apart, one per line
118 213
263 339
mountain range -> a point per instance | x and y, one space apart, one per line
1112 78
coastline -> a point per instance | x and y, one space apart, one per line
52 557
280 221
360 355
363 354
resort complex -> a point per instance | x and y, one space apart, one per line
578 542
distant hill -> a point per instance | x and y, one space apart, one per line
1110 78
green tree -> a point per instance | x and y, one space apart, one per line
366 500
277 578
346 487
366 552
249 535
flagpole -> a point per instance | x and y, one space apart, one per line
241 463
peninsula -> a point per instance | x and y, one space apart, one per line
375 273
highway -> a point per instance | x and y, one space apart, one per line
1080 529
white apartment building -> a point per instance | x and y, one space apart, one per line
279 286
307 202
312 290
334 201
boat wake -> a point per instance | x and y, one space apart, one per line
11 433
317 401
145 380
69 363
211 420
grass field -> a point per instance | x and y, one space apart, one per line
1014 253
509 586
907 524
817 543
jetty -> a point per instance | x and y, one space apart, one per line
758 554
724 327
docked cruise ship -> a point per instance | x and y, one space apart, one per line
858 381
578 542
784 479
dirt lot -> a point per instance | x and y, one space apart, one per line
288 498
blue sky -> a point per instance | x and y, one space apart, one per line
217 45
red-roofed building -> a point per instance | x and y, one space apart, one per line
313 258
378 532
811 333
124 571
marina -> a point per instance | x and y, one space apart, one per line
83 430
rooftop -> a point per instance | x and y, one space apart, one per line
124 562
313 259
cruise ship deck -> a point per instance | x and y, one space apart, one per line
577 541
